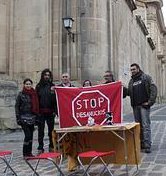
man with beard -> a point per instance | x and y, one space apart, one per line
109 78
47 108
143 93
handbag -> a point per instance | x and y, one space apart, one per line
28 119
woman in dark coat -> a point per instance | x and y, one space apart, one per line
27 109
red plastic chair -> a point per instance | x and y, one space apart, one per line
6 156
94 155
50 156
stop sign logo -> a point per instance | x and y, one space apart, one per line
90 103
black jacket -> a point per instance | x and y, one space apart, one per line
149 86
23 106
47 98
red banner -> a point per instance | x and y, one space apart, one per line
75 105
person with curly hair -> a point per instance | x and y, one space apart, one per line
47 108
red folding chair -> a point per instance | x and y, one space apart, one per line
50 156
94 155
6 156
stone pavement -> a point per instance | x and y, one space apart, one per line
153 164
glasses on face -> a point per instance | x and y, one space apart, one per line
64 76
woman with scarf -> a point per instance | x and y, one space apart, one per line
27 109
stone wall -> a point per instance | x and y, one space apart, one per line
129 45
32 38
154 21
110 38
106 37
164 71
8 92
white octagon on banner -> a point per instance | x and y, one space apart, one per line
88 103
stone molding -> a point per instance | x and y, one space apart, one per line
161 21
160 56
131 4
159 3
151 43
163 60
142 25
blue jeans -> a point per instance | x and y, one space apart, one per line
142 116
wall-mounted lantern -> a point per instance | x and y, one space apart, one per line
68 23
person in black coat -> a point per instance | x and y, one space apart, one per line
109 78
47 108
143 92
27 109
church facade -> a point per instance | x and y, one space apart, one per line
106 35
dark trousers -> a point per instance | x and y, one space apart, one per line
27 145
41 125
142 115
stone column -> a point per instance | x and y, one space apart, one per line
95 38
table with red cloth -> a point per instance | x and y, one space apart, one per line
124 138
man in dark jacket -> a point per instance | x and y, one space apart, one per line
109 78
47 108
143 93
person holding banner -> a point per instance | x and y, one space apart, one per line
47 108
65 80
87 83
143 93
108 77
